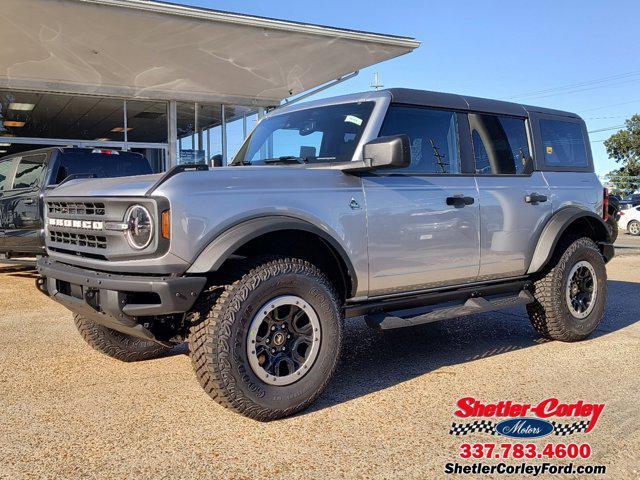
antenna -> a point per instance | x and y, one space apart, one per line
376 85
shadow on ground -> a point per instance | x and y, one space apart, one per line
373 360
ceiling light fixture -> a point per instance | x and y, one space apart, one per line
102 139
13 123
3 144
120 129
23 107
3 151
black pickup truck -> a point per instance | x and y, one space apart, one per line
25 176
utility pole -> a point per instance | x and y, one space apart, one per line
376 85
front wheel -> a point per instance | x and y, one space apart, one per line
633 227
571 296
267 344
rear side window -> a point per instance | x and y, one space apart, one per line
433 135
101 165
500 145
6 169
29 171
563 144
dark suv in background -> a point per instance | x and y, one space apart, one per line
25 176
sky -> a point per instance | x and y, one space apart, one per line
580 56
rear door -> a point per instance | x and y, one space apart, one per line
514 200
423 220
22 205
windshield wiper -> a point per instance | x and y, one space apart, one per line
286 159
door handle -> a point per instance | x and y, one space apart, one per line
460 201
28 201
534 198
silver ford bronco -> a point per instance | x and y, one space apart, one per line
400 206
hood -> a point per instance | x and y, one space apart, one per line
106 187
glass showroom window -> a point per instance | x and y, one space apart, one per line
31 120
211 133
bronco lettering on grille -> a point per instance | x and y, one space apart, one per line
79 224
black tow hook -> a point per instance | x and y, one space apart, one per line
41 285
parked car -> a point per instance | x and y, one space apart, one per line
404 206
633 199
24 177
630 220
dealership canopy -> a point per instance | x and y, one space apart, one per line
148 49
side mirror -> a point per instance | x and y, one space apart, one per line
385 152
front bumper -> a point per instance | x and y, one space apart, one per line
117 301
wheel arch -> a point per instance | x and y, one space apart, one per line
567 221
258 235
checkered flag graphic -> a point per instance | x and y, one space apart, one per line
484 426
564 429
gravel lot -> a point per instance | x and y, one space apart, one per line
67 411
627 244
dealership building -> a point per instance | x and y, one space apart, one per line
176 83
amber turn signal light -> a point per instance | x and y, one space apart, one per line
166 224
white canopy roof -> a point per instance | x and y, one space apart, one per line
149 49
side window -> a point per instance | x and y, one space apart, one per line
29 171
500 145
563 144
6 169
433 135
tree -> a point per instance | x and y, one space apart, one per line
624 148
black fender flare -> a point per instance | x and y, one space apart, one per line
557 226
223 246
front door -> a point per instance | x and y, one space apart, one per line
21 209
7 169
423 220
514 200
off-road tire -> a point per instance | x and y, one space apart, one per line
613 229
220 325
549 313
633 226
115 344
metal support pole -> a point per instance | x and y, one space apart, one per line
208 145
125 123
223 130
244 126
263 148
198 127
172 127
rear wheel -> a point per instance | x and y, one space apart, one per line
267 344
571 296
633 227
115 344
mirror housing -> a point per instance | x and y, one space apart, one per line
393 151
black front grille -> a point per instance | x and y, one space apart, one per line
76 208
79 239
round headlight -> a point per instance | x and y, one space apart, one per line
140 227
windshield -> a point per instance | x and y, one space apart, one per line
314 135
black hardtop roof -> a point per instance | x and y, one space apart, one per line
463 102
